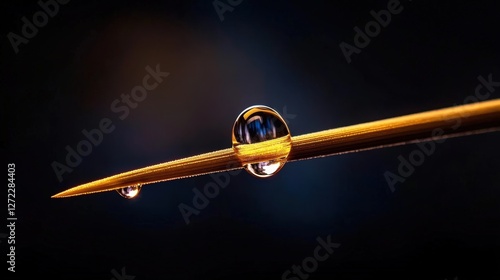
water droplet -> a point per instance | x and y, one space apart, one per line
261 124
130 191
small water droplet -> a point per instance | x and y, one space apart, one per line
130 191
258 124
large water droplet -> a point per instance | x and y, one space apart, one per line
130 191
261 124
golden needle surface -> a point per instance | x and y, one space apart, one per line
456 121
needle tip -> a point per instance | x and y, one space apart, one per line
65 193
59 195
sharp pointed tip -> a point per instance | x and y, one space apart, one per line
76 191
58 195
64 194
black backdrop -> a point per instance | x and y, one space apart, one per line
442 222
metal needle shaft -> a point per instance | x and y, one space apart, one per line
443 123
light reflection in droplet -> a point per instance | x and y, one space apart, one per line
130 191
257 124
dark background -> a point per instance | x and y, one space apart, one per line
442 222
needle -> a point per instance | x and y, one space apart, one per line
480 117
